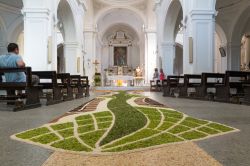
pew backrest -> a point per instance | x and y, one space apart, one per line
85 80
16 85
192 80
236 78
212 79
75 80
174 80
48 79
64 79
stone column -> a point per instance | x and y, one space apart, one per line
150 55
247 51
168 56
200 30
233 56
111 56
36 23
70 54
90 46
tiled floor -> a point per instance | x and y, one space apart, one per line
230 150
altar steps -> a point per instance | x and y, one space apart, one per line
112 88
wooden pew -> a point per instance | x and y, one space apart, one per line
233 80
155 85
30 99
85 85
48 81
65 84
1 77
208 80
170 84
76 85
246 99
190 81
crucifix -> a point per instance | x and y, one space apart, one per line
96 63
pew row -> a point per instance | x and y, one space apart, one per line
20 101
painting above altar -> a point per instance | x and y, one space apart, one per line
120 56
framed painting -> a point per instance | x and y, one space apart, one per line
120 56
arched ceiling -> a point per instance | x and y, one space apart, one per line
13 3
222 4
120 27
121 2
120 16
232 17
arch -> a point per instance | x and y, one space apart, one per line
15 29
68 22
3 39
235 37
126 26
239 25
3 30
173 16
221 33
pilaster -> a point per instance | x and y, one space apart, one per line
150 55
201 40
168 48
36 23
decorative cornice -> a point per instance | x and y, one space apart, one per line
36 12
71 44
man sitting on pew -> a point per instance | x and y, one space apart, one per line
13 60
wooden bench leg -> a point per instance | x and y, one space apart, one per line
32 100
200 92
56 98
182 92
69 95
79 93
222 94
87 92
166 91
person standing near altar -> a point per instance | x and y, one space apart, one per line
162 75
156 75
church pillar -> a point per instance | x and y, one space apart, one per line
199 41
247 52
36 22
111 56
168 49
90 47
150 55
234 54
73 62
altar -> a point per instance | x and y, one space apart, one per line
121 80
123 76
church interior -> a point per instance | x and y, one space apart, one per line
145 34
126 82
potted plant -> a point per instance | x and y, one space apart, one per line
97 79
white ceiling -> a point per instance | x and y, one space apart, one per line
121 2
13 3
